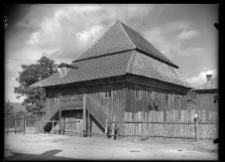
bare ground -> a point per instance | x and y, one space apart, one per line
65 147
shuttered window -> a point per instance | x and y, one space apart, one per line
108 92
137 92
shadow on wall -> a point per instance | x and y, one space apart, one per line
48 155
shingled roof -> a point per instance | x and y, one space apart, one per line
120 51
209 85
120 37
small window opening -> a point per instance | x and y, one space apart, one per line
151 94
63 71
137 93
108 92
167 99
216 98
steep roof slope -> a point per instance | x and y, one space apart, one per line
119 51
120 37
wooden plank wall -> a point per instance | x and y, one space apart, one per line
109 106
163 106
71 101
207 111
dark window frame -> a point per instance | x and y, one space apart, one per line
137 92
108 92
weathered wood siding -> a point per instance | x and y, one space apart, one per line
163 106
108 107
184 127
154 99
205 102
65 99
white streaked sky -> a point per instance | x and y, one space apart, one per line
185 33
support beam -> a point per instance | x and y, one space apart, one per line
60 121
84 114
113 126
88 122
106 127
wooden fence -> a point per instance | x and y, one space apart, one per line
21 123
178 124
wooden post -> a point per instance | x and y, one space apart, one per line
53 122
15 123
88 123
196 129
60 121
64 125
84 115
106 127
113 126
42 124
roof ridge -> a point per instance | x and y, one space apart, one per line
159 55
126 34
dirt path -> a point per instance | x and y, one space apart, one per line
65 147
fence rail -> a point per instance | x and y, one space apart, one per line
19 124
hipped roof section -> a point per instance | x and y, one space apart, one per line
119 37
120 51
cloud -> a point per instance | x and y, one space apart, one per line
165 39
187 34
60 32
191 51
72 29
201 78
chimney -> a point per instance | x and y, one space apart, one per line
208 77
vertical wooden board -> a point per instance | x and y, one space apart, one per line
203 131
131 124
161 125
216 114
146 124
200 130
128 124
200 115
125 123
150 124
136 117
168 120
148 114
139 117
211 116
151 119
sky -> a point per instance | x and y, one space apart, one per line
184 33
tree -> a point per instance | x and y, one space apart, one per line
8 109
35 96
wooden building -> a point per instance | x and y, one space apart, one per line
121 75
207 98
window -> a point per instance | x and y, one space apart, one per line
108 92
216 98
63 71
151 94
137 92
167 100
